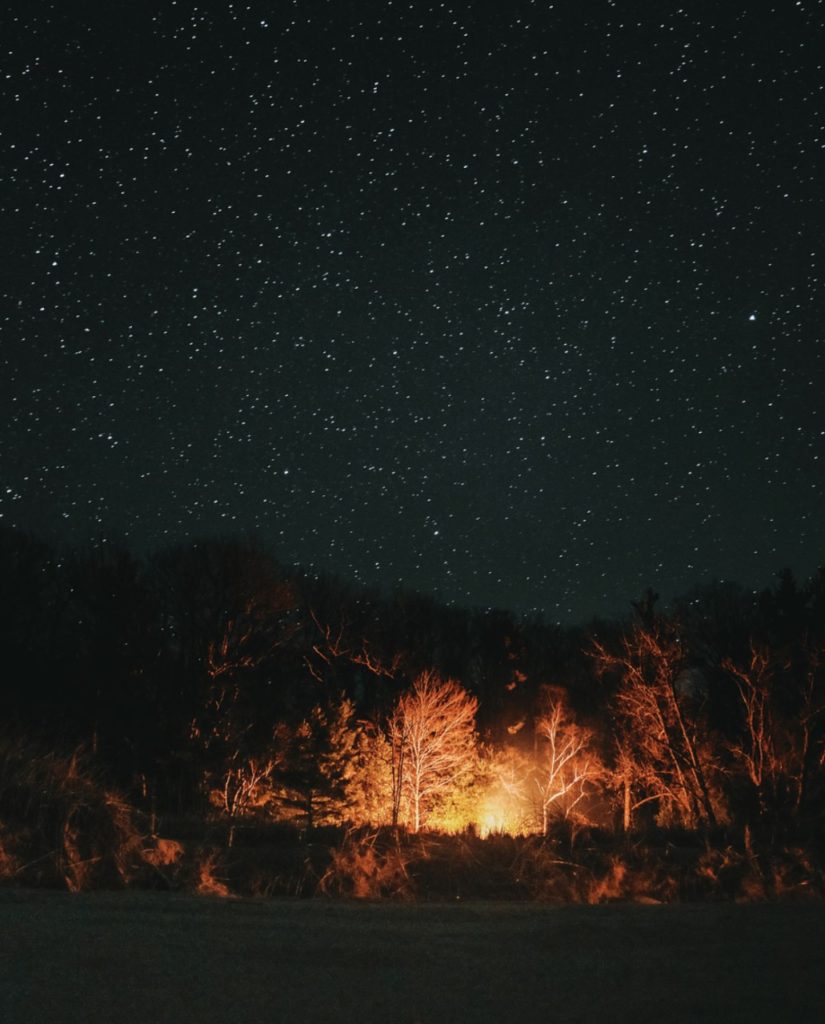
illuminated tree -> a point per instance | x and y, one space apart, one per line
368 785
243 782
320 762
658 727
777 753
755 749
431 733
565 765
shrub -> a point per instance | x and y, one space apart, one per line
66 828
368 865
207 880
9 864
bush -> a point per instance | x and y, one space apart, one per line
61 826
368 865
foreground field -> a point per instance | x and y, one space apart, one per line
144 958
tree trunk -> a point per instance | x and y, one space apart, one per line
397 769
693 758
627 815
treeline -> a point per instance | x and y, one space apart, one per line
209 681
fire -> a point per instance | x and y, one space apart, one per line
500 813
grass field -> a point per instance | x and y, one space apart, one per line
148 958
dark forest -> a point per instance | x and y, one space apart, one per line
206 717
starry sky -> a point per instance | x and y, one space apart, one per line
517 304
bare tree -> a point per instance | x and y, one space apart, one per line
244 778
564 764
777 752
755 749
657 729
332 645
432 735
810 743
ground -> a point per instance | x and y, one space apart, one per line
151 958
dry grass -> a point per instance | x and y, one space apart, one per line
208 881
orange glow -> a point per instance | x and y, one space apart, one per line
496 817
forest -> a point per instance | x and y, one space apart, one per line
205 717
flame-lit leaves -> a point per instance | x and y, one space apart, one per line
369 788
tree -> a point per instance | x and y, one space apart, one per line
778 749
244 778
320 763
657 725
228 617
564 764
369 793
754 750
431 732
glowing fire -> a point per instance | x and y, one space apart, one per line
500 813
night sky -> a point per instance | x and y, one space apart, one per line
517 304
